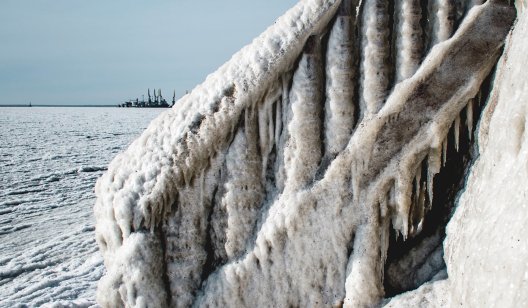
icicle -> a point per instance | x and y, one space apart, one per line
421 204
340 86
417 180
286 108
384 207
266 122
444 151
444 20
392 197
420 226
269 132
263 123
384 236
278 120
282 135
271 128
469 118
457 131
375 56
243 188
403 201
433 167
408 38
303 152
416 204
263 127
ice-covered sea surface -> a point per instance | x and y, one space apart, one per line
50 159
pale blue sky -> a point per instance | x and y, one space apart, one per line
104 52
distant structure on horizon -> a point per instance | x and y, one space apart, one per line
154 101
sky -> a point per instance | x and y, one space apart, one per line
106 52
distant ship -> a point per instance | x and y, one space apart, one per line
155 101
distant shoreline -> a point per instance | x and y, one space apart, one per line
15 105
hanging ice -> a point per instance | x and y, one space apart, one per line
278 181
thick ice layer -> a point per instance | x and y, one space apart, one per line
221 202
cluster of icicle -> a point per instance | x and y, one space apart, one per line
275 183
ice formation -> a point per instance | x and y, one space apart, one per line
485 248
284 178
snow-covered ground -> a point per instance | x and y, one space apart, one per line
50 159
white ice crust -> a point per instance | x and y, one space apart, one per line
249 192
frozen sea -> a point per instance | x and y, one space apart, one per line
50 159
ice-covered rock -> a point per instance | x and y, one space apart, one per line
286 177
485 248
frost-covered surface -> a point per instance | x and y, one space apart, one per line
279 180
50 159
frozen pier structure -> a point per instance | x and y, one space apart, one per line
321 164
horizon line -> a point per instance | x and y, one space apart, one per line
58 105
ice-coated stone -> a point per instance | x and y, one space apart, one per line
283 179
